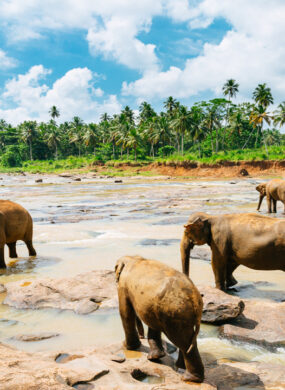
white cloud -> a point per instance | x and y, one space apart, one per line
74 94
6 62
252 52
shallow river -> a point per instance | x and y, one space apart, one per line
81 226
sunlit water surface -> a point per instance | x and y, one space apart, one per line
87 225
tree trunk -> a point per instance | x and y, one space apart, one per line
114 156
31 150
217 141
94 151
199 149
135 147
182 143
212 144
56 151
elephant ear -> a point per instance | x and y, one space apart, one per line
118 270
261 188
197 223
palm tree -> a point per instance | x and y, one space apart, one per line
197 129
53 137
257 118
181 123
279 115
230 88
90 137
133 140
146 111
54 112
129 114
170 104
211 122
262 96
28 132
76 132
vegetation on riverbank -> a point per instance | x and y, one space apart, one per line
207 132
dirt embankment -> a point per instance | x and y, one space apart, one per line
193 169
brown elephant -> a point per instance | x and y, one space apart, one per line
252 240
166 301
273 190
15 224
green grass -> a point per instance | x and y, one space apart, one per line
88 163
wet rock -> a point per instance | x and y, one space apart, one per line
219 307
77 179
201 252
38 180
262 323
35 337
81 293
118 181
64 175
243 172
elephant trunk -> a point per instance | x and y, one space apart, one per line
260 201
185 247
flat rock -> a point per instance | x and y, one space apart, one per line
83 293
262 323
219 307
35 337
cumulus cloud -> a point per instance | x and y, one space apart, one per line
6 62
74 94
252 52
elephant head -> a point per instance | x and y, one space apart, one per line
197 232
122 262
197 229
261 188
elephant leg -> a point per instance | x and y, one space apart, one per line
274 205
30 247
140 327
194 366
180 362
180 337
2 260
269 202
156 349
231 281
12 250
219 269
128 317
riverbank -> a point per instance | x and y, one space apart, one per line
187 169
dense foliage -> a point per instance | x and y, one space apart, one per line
207 130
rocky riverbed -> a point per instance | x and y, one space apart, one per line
59 322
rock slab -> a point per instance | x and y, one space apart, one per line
219 307
262 323
83 293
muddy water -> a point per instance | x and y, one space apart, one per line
81 226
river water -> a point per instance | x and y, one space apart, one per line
87 225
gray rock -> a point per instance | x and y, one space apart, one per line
35 337
219 307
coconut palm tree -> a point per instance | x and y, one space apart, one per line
129 114
279 115
181 123
170 104
230 88
53 136
90 137
262 95
258 116
54 112
76 133
146 111
28 131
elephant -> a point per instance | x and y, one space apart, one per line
166 301
273 190
248 239
15 224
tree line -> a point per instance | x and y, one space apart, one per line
205 129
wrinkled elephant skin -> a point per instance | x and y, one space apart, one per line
166 301
249 239
15 224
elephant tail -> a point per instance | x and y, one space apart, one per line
194 338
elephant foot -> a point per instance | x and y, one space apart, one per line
155 354
132 346
188 377
231 282
3 265
180 363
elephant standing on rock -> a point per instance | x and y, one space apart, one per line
253 240
166 301
15 224
273 190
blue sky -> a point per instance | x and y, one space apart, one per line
97 57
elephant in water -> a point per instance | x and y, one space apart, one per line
273 190
15 224
166 301
252 240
